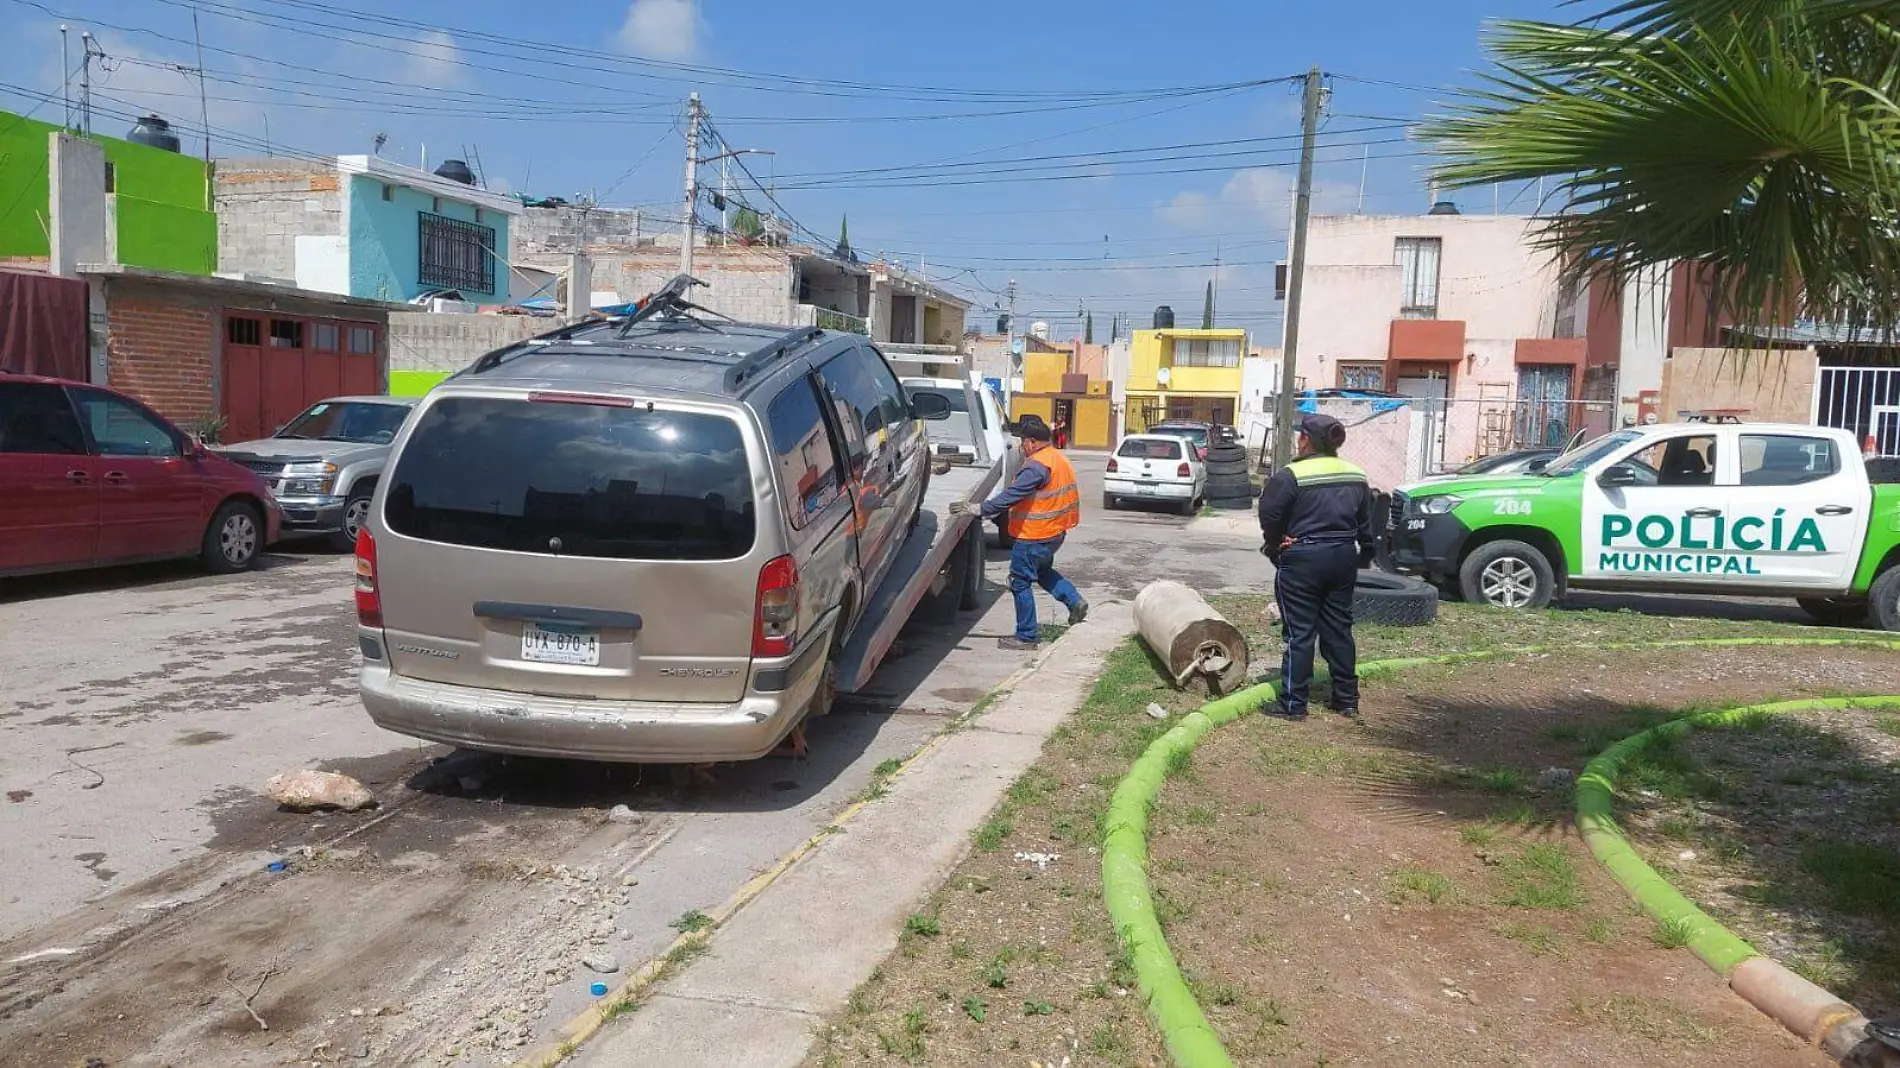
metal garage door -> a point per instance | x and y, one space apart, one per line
277 365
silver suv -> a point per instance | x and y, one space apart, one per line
636 540
322 466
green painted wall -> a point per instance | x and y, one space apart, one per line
163 223
414 383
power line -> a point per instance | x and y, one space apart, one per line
1096 173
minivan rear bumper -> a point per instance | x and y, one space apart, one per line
504 721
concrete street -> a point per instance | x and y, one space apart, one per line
144 708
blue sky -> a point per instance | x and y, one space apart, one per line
973 89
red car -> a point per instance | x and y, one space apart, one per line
90 477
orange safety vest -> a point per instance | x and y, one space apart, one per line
1055 509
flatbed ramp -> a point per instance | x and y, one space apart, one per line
927 553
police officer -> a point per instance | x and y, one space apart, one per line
1039 508
1316 519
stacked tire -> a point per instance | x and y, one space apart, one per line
1229 480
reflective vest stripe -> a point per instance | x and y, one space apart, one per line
1325 470
1055 509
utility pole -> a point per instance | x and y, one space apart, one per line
65 82
1009 345
204 109
693 115
92 50
1296 275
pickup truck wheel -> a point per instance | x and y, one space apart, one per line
1885 598
234 539
355 515
1835 611
1507 574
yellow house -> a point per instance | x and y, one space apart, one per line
1184 374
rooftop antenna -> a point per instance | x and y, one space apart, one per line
92 52
65 81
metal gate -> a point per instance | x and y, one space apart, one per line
1864 401
1544 408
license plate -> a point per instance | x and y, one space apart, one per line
1145 487
546 645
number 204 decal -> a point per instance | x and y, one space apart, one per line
1510 506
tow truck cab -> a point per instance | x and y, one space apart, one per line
1743 509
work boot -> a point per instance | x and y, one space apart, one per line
1016 644
1349 711
1277 709
1078 612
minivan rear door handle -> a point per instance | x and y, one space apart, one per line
601 618
1834 509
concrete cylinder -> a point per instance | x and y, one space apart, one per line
1183 630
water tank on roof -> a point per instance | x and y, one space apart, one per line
1164 318
1444 207
455 171
1039 329
154 132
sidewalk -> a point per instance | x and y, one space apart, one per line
777 970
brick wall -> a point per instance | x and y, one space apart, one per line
438 341
264 205
162 352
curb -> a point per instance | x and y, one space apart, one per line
567 1039
1192 1042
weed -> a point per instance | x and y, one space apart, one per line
691 921
959 950
995 975
685 952
1800 775
1109 1041
994 830
975 1008
1542 877
1180 759
1479 834
1097 991
915 1022
1269 1013
1036 784
1677 827
618 1007
1429 885
1826 967
1038 1008
1597 931
922 924
1200 816
888 768
1540 941
1888 723
1647 1018
1673 933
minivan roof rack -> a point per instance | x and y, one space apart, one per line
740 373
670 300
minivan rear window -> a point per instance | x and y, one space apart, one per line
1150 449
574 480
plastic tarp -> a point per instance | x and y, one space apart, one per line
1381 402
43 325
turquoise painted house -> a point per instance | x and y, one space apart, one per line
365 226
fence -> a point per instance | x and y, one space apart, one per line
1864 400
1400 440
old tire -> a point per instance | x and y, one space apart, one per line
1508 574
234 540
970 588
355 516
1835 611
1885 599
1227 467
1384 599
1230 504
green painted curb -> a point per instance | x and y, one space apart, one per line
1721 949
1189 1038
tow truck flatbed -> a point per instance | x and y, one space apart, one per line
928 555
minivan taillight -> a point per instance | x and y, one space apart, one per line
1113 466
775 627
369 603
1184 470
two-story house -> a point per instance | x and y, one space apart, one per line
1183 374
364 226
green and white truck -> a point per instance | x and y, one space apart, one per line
1748 509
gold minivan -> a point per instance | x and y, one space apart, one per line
635 540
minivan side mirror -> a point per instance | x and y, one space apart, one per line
929 406
1617 476
1536 465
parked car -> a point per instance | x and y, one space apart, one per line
90 477
323 465
1201 434
1752 510
1155 467
1515 462
639 539
952 438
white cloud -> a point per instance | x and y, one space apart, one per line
435 61
661 29
1251 198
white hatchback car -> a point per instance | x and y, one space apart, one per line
1155 467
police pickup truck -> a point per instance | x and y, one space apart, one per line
1751 509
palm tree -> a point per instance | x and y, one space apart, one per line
1760 138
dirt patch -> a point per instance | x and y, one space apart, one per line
1787 828
1395 893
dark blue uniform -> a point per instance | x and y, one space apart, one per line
1316 519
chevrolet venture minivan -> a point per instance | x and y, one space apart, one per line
641 539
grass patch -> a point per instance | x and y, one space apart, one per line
1673 933
1860 878
1888 723
991 835
975 1008
1479 834
1485 780
1038 1008
692 921
1036 784
1598 931
922 924
1540 941
1542 877
1199 816
1651 1019
1408 883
